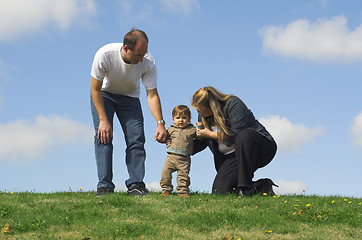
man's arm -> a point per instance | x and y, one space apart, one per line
154 103
105 131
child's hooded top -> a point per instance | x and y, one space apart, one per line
181 139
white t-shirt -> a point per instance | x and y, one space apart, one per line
119 77
224 149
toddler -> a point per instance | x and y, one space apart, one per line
181 134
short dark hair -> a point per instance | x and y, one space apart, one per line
182 110
131 38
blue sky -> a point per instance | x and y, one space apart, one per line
296 64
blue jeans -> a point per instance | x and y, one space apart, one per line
129 114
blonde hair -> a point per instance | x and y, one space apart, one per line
209 97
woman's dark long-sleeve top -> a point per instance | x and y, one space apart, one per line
238 117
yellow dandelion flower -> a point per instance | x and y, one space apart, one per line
274 196
239 197
12 193
349 202
269 231
308 205
360 203
345 199
265 194
296 205
80 188
333 201
285 201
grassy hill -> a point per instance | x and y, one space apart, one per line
81 215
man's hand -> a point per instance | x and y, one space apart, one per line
105 132
161 134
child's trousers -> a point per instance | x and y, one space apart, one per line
178 163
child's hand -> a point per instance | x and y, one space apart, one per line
200 133
168 143
199 125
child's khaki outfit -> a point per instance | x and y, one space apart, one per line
178 159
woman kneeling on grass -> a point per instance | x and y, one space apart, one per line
239 143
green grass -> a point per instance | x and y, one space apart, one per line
81 215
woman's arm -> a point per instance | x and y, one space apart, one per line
237 115
206 133
199 145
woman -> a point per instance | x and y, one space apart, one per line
239 143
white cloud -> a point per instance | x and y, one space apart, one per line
25 140
4 75
324 3
133 13
154 186
289 136
323 40
18 17
290 188
5 69
2 69
181 6
356 130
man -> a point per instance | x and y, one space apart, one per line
115 87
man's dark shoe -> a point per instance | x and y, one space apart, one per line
103 190
138 190
264 186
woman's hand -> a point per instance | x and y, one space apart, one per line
205 133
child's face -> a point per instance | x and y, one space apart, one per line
181 121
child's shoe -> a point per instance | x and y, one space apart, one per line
165 193
184 195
